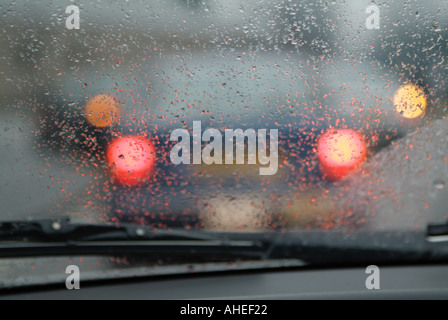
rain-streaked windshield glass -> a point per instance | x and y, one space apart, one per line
225 115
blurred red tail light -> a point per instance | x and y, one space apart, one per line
340 151
131 160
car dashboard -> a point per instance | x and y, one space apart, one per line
297 283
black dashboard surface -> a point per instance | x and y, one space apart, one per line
396 282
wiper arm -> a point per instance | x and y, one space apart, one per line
60 237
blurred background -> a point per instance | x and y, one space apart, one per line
299 64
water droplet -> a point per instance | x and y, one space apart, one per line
439 184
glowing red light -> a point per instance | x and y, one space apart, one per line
131 159
340 151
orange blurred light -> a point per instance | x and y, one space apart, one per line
102 110
340 151
410 101
131 160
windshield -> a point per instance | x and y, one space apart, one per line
226 116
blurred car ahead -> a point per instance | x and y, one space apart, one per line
124 121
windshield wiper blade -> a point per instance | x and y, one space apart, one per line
437 232
61 229
60 237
